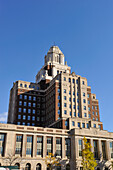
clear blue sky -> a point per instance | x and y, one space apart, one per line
83 29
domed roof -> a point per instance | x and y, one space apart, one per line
55 49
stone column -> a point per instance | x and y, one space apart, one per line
108 156
44 146
100 150
24 145
10 144
34 145
54 145
63 147
92 149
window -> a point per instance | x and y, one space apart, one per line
73 93
88 102
66 123
20 103
29 146
94 125
95 143
25 103
58 97
87 95
70 92
83 125
89 109
70 99
103 149
111 149
23 123
87 125
24 117
65 104
21 85
96 113
64 90
73 99
92 107
77 94
19 109
19 116
25 97
99 126
69 80
59 112
58 104
70 106
84 107
78 107
33 117
28 124
79 124
18 123
20 96
84 100
25 85
49 145
34 104
58 90
29 97
29 110
70 113
24 110
76 81
93 118
29 104
75 114
83 94
95 107
97 119
65 112
33 124
34 98
73 80
77 100
64 78
80 147
64 97
68 146
93 113
58 147
83 82
85 114
33 111
29 117
38 119
89 115
18 149
78 114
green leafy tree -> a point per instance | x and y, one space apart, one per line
88 160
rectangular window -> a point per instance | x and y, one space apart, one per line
29 146
29 110
87 95
95 143
58 97
103 149
25 103
19 110
49 145
58 147
29 104
84 107
29 97
65 112
83 94
2 142
33 111
20 103
79 124
25 97
34 104
89 109
111 149
68 147
20 97
58 90
58 104
19 116
64 97
85 114
64 78
88 102
80 147
73 123
34 98
39 146
24 110
24 117
83 125
33 117
65 104
64 90
29 117
18 149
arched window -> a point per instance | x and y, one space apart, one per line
67 167
38 167
18 165
28 166
21 85
25 85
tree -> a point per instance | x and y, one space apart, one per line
88 160
51 161
11 159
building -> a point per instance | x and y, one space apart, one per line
53 115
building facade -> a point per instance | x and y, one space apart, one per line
53 115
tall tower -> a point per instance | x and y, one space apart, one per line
59 98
